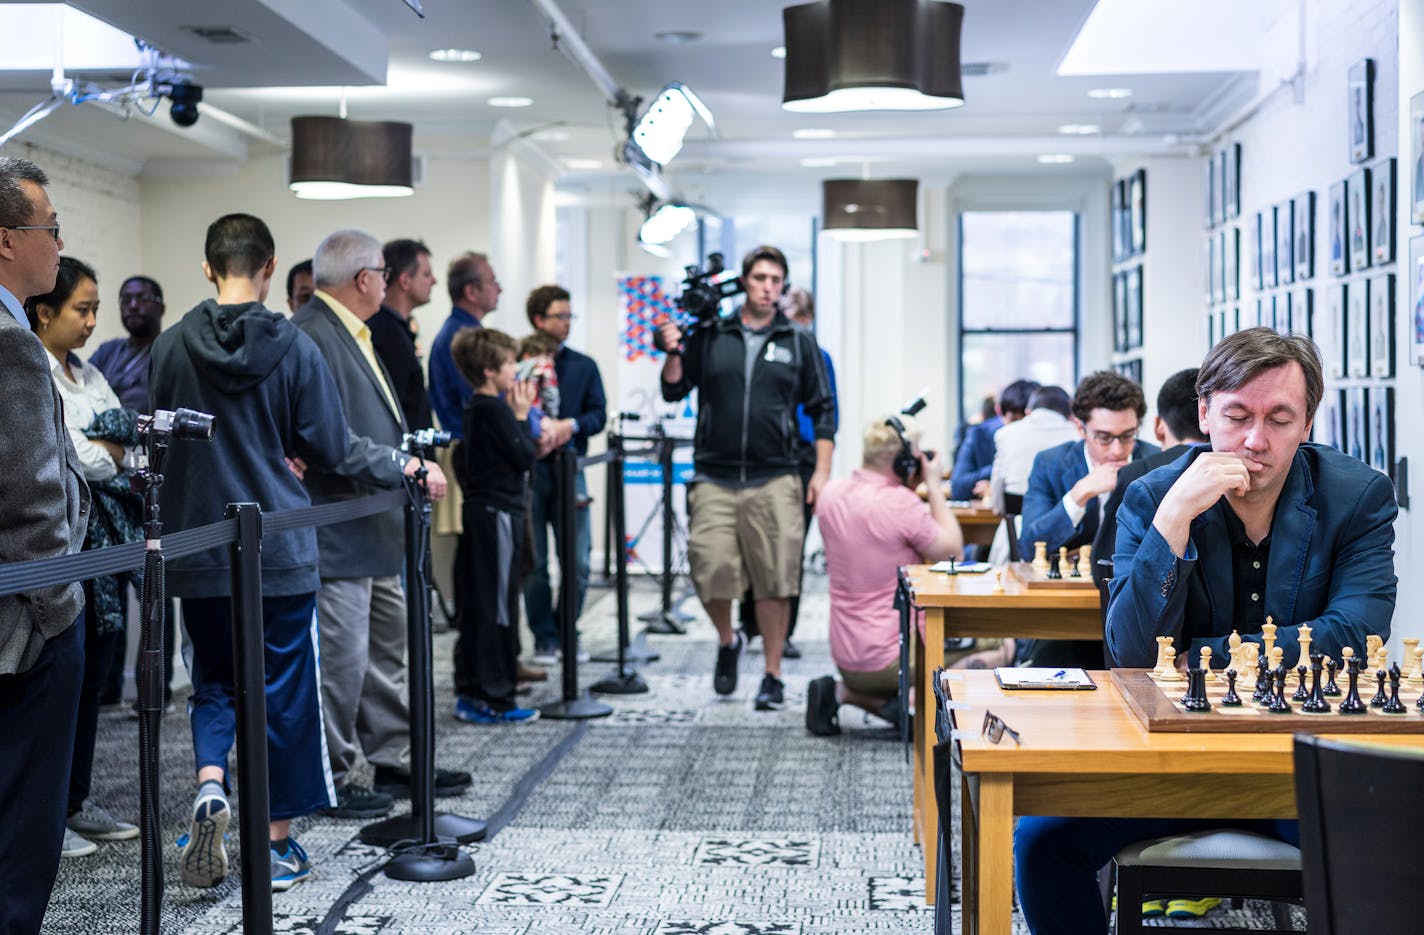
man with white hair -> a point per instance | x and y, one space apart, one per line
872 523
361 607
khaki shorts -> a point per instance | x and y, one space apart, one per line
882 683
752 533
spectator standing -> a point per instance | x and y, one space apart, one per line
124 361
410 281
974 461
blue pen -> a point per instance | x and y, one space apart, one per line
1060 674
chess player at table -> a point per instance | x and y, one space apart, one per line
1260 522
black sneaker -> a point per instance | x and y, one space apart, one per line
770 697
790 650
822 710
353 801
396 782
724 678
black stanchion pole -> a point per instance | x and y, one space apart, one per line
611 482
625 680
573 706
427 860
250 684
150 699
667 620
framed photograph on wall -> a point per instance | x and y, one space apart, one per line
1416 158
1212 183
1231 320
1268 248
1326 429
1304 252
1120 312
1134 308
1381 428
1303 312
1231 181
1357 441
1382 211
1330 334
1231 263
1211 336
1357 214
1381 296
1339 231
1357 325
1138 202
1415 277
1285 243
1361 110
1115 197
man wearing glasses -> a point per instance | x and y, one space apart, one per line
1070 484
361 607
582 413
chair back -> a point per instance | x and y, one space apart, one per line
1359 823
1013 507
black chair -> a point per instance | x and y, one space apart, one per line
1013 507
1359 822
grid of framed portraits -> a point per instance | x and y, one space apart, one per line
1129 216
1127 309
1284 242
1223 186
1359 420
1132 369
1416 158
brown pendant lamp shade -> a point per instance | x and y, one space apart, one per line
334 158
845 55
870 209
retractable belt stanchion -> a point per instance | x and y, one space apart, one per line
574 705
668 619
429 854
625 679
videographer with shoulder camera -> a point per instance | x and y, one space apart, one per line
750 369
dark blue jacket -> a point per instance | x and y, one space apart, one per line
975 460
1331 564
1054 473
272 396
580 395
448 387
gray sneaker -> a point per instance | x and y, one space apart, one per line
204 860
95 823
76 846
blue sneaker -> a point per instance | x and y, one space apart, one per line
473 711
519 715
204 859
290 868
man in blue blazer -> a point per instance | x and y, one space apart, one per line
1261 523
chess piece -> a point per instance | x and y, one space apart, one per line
1249 656
1231 699
1170 672
1301 693
953 569
998 582
1278 704
1407 664
1233 650
1394 705
1315 702
1352 703
1382 657
1418 677
1268 633
1195 699
1331 689
1205 656
1372 646
1055 570
1303 638
1262 694
1040 556
1162 643
1084 568
1381 698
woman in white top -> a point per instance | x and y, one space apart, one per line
64 319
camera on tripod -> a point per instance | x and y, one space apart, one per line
423 442
180 423
704 290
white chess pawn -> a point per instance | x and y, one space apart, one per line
1171 673
998 582
1085 561
1417 676
1206 663
1162 643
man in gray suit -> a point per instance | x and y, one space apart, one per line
361 607
45 503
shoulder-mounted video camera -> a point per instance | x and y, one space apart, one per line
704 289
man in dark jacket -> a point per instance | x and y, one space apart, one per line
750 369
409 280
273 398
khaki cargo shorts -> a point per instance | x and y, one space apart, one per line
752 533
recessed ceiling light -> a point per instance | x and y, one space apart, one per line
1111 94
1051 159
779 52
677 36
510 101
582 164
818 162
1078 129
455 55
813 133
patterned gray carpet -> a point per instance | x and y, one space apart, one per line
681 814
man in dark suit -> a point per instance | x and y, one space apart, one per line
1261 523
1175 427
45 503
361 607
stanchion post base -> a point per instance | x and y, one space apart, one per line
672 623
616 683
580 709
455 828
636 655
431 865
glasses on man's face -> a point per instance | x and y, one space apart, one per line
385 272
994 729
52 228
566 316
1104 439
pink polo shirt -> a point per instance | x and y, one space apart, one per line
871 524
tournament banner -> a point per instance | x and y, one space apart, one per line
643 306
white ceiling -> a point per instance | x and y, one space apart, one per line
305 54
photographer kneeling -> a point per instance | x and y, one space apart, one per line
872 523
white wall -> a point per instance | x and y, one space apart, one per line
1409 386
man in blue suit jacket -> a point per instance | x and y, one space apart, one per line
1260 523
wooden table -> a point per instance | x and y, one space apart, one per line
966 605
1084 754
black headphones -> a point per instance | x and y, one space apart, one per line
905 464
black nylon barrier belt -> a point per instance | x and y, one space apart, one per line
588 461
41 573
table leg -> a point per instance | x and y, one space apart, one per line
933 644
968 856
994 857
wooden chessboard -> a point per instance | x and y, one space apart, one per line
1034 580
1157 705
